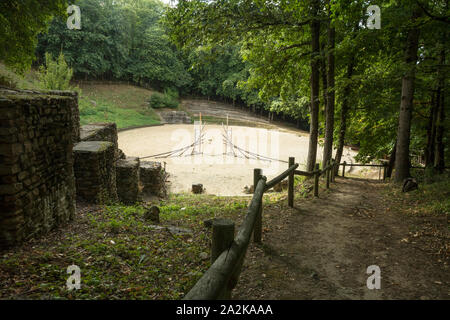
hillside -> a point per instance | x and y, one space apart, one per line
126 105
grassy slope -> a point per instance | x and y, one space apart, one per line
429 206
125 105
432 198
119 254
11 79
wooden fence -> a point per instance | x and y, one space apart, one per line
382 168
227 252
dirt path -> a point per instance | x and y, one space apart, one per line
322 248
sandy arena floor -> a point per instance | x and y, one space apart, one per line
220 174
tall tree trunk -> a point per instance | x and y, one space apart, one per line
314 106
391 163
323 75
343 117
402 162
431 132
329 115
439 162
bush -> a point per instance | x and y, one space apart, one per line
56 74
173 93
7 77
166 100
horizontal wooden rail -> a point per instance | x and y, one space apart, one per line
363 165
220 279
215 283
280 177
303 173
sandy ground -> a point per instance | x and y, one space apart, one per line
220 174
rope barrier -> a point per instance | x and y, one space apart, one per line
243 153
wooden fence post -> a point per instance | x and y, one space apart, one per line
343 169
328 174
291 184
316 180
257 231
384 170
222 237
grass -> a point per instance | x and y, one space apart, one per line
125 105
431 198
120 255
428 210
10 78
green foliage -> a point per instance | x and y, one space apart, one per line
219 71
120 254
105 111
431 198
56 74
20 22
275 43
261 34
7 77
172 93
10 78
166 100
119 40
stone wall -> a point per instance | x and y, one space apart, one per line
127 180
173 117
74 109
100 132
153 178
95 171
37 186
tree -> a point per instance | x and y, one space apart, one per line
20 22
55 75
119 40
274 37
330 92
402 161
314 109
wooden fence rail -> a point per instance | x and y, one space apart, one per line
220 279
222 276
384 166
228 253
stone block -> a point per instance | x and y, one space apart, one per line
37 185
127 180
153 178
100 132
95 171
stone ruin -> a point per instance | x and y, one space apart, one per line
153 178
127 180
101 132
37 185
99 163
95 171
47 162
175 117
